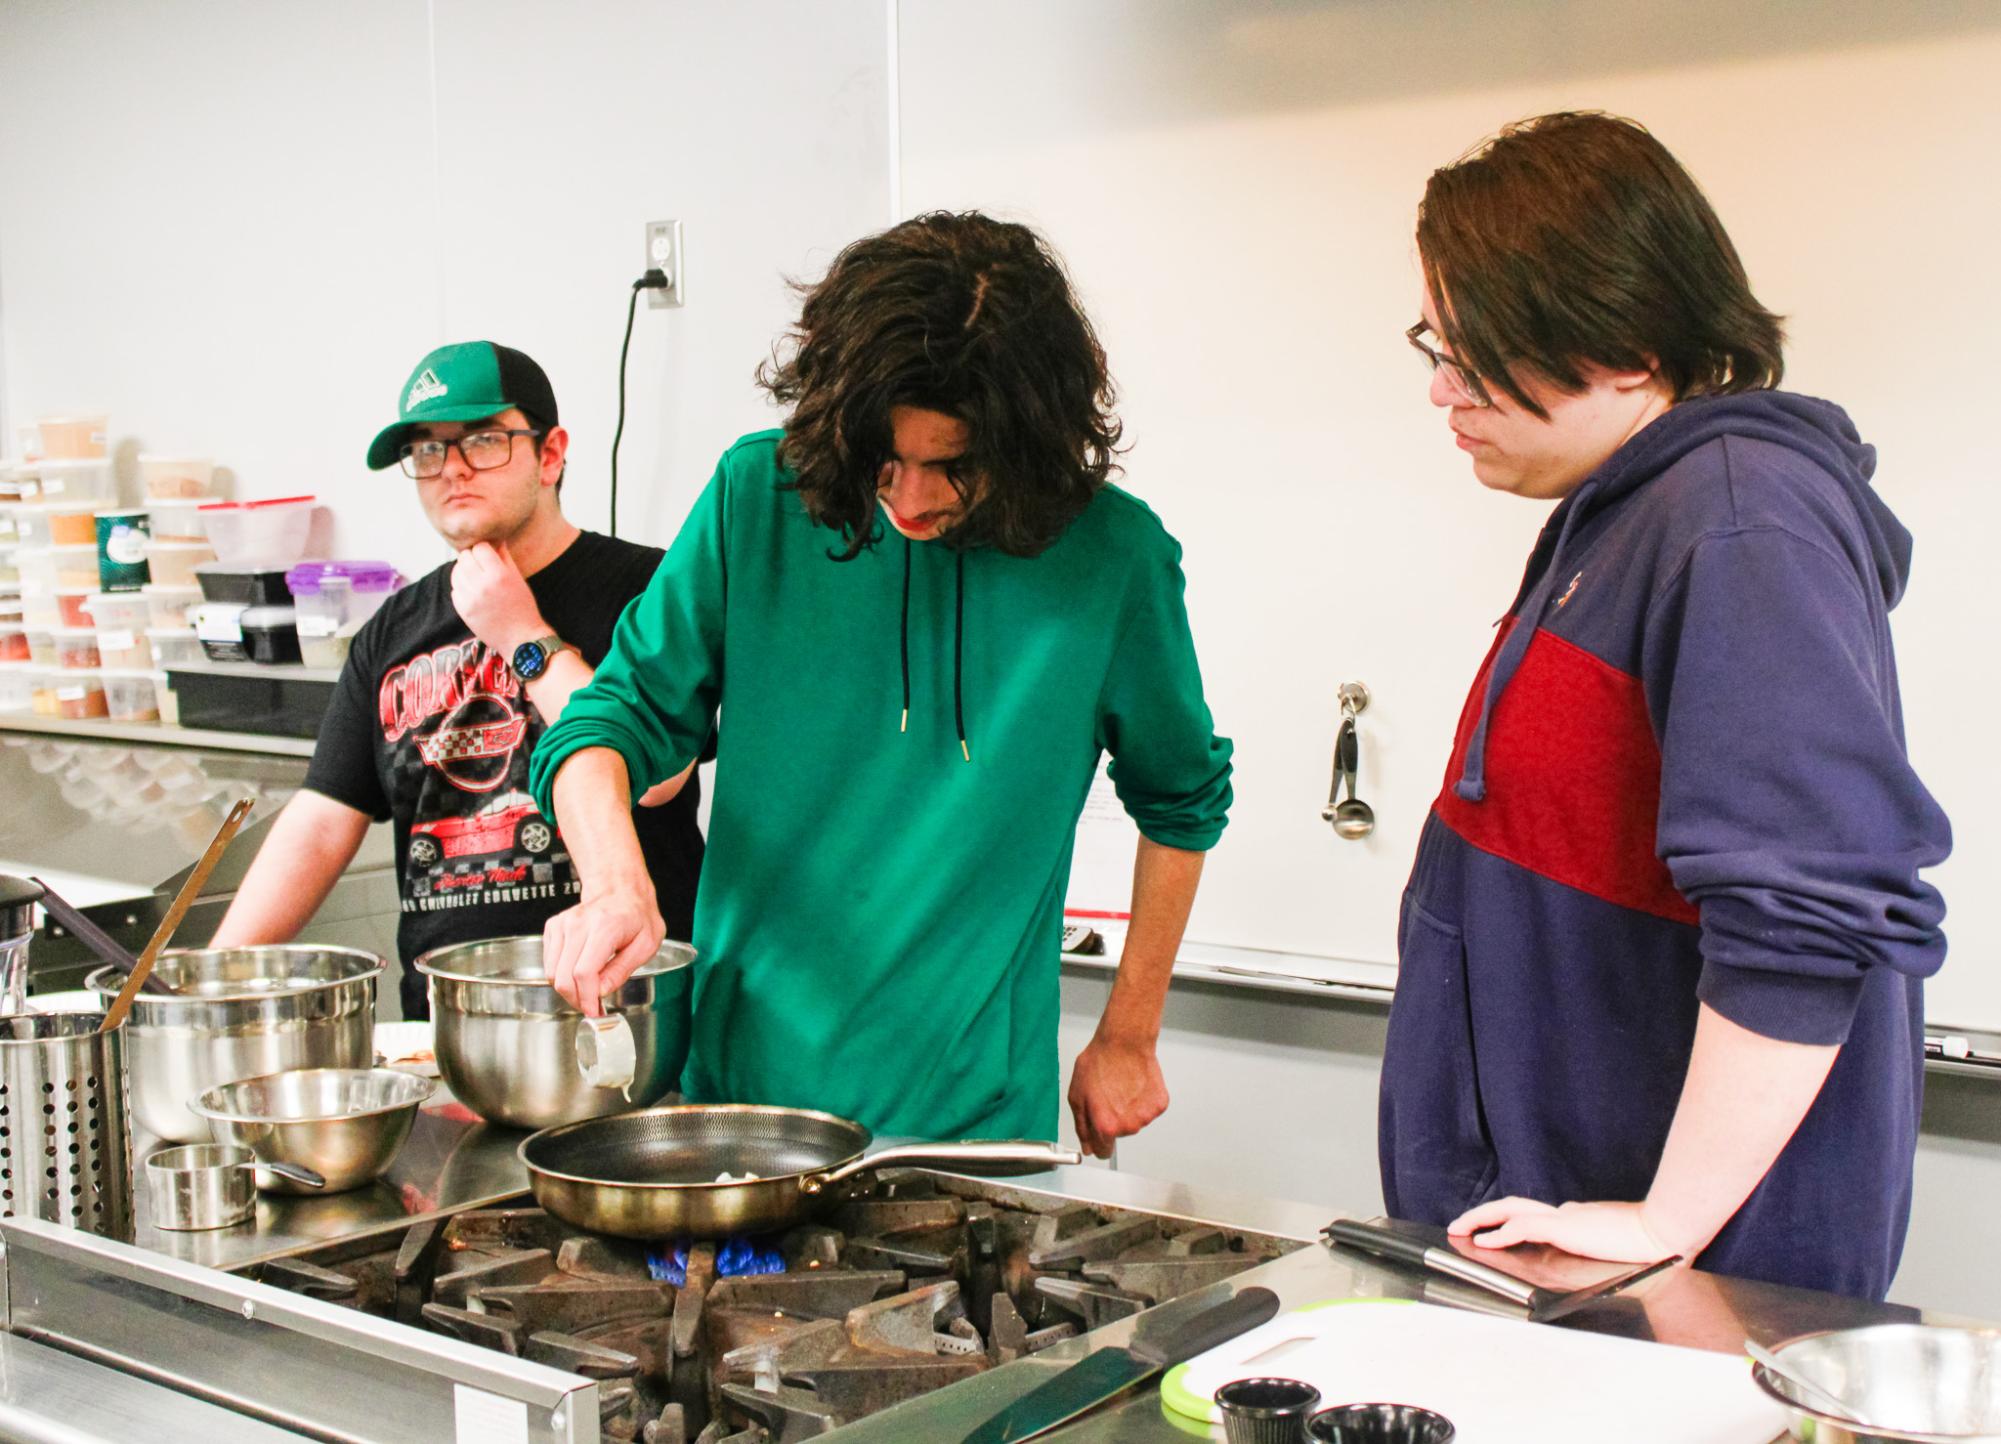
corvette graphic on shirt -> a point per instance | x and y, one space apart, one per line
457 717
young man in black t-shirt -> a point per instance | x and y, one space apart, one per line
448 687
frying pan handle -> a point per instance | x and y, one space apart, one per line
983 1156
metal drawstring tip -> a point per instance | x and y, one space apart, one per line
904 725
965 749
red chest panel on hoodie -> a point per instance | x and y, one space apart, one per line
1573 778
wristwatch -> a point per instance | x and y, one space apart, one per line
531 659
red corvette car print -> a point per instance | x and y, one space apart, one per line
508 824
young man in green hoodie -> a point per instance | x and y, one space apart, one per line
914 618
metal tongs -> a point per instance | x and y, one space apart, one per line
95 938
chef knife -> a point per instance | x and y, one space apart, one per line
1098 1376
1543 1304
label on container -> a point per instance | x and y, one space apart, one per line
126 545
117 641
218 626
51 485
317 624
71 694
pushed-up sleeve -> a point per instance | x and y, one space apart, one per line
1790 815
653 698
1171 770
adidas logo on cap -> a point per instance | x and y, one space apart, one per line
426 387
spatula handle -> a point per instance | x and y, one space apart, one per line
1245 1309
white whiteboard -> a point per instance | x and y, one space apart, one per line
1234 188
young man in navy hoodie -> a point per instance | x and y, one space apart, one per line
1663 944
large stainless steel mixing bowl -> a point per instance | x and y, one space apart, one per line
1913 1383
507 1042
241 1013
344 1123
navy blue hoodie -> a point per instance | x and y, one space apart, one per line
1680 778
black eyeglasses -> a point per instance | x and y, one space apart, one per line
1460 377
482 450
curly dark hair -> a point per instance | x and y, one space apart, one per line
1577 237
964 315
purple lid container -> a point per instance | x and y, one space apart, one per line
304 579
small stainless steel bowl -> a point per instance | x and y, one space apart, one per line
1914 1383
507 1042
344 1123
240 1013
200 1186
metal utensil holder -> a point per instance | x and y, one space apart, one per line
65 1141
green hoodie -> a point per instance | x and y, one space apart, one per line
879 917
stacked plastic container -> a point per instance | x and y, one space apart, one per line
48 569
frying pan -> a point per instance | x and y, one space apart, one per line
652 1174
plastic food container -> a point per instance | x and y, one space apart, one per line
73 609
17 687
31 524
125 647
72 523
68 481
220 627
265 533
166 477
41 647
76 650
125 610
271 634
164 700
255 586
13 645
180 520
333 600
172 564
121 537
169 606
67 438
129 695
79 695
43 680
75 567
173 646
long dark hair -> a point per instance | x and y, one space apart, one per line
964 315
1576 237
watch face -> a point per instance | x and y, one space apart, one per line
529 661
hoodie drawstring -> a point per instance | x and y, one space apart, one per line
958 651
1472 783
905 725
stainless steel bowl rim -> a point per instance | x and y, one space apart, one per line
1775 1388
739 1108
670 957
209 1104
154 1165
109 980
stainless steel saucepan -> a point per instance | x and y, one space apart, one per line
712 1170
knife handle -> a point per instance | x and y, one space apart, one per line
1245 1309
1381 1242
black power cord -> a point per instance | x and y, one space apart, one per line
654 280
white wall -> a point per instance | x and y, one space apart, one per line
1235 186
237 225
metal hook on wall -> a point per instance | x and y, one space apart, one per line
1352 819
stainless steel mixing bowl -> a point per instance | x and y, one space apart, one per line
241 1013
507 1042
1913 1383
344 1123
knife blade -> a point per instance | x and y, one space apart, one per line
1543 1304
1100 1375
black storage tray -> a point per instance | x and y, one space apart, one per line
259 586
273 703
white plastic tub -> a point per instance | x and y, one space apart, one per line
167 477
260 533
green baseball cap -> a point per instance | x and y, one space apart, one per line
468 381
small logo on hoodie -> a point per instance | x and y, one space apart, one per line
1571 590
423 389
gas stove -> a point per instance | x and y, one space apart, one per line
918 1281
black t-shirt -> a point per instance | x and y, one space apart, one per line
431 730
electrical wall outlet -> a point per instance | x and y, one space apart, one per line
663 249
